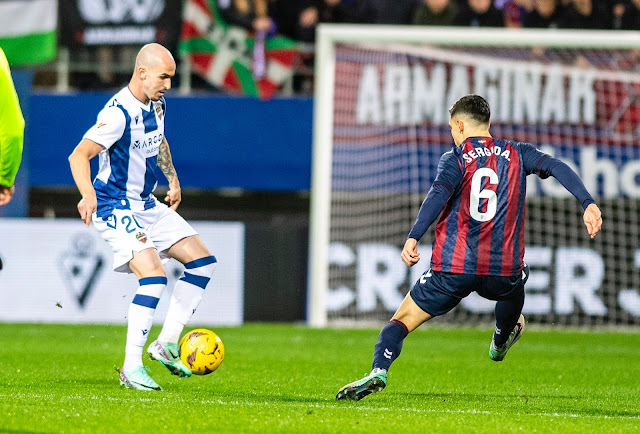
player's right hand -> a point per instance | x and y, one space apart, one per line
6 193
592 219
86 207
410 255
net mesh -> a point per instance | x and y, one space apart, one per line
391 127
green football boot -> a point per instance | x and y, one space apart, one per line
167 353
497 354
372 383
138 379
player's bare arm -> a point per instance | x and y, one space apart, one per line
81 171
410 255
165 163
592 219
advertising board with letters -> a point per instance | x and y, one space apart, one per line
61 271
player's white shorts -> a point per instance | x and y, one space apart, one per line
129 231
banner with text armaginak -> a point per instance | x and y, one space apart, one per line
391 127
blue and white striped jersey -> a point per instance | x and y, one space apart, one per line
131 133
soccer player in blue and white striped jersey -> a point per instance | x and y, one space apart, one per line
129 139
479 194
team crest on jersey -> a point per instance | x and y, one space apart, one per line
159 112
142 237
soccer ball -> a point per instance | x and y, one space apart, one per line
202 351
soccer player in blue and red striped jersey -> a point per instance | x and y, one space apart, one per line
479 195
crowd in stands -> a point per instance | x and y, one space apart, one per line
298 18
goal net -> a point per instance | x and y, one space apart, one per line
381 125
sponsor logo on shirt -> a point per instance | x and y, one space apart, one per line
149 141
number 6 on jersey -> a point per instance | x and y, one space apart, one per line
477 193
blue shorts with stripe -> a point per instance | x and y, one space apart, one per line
437 292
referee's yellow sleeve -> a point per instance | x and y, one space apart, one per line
11 126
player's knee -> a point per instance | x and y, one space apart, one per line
147 263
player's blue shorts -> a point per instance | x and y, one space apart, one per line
437 292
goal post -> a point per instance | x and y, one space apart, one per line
381 124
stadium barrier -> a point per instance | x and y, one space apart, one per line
61 271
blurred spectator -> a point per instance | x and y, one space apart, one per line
393 11
585 14
514 11
479 13
250 14
545 14
626 15
345 11
435 13
298 19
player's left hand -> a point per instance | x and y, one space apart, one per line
592 219
410 255
174 197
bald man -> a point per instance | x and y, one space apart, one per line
143 232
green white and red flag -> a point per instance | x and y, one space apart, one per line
229 57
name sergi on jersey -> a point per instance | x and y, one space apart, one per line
131 133
481 230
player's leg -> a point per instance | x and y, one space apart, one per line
406 319
508 313
134 251
148 269
509 319
199 267
176 238
433 294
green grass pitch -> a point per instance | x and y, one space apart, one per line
283 378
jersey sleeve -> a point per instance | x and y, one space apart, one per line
532 159
449 170
447 180
11 126
544 165
108 128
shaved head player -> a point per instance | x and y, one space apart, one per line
128 137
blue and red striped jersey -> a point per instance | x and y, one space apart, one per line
479 194
481 230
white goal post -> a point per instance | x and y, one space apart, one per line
589 121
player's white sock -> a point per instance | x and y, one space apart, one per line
186 297
140 318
